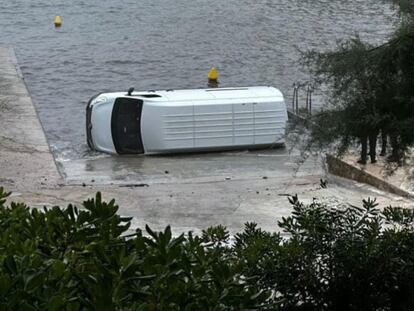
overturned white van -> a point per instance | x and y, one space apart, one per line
172 121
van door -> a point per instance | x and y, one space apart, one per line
268 123
126 125
213 125
243 124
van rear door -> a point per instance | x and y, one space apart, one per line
126 125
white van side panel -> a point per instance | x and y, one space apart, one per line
243 120
213 125
218 124
269 122
167 126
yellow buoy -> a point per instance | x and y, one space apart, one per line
213 77
213 74
58 21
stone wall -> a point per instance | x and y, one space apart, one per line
341 168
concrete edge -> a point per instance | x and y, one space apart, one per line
341 168
13 58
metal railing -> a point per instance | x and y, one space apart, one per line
310 88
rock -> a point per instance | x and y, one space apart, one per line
133 185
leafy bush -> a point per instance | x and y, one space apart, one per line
74 259
352 258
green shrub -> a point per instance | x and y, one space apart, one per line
81 259
353 258
346 258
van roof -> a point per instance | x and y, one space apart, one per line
208 94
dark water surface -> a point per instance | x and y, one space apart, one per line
154 44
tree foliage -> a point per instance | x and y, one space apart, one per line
82 259
371 88
325 258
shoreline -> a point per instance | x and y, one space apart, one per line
26 159
182 199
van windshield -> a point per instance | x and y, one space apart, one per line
126 125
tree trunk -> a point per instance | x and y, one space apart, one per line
383 143
364 149
373 147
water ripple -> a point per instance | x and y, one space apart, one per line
151 44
